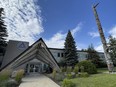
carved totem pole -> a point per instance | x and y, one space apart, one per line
103 40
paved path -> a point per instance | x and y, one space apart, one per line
37 81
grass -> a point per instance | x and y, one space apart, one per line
101 70
97 80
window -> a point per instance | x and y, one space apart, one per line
62 54
58 54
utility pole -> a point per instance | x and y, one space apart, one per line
103 40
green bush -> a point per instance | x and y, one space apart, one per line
54 74
12 83
59 76
85 74
76 69
82 69
77 75
69 70
68 83
3 84
19 75
63 69
88 67
69 76
4 75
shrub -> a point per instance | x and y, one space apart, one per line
63 69
77 75
59 76
76 69
54 74
3 84
11 83
88 67
82 69
4 75
19 75
69 70
69 76
73 74
85 74
68 83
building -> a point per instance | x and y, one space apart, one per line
82 55
35 58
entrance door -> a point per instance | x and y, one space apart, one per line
34 68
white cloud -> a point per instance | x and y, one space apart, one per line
99 48
78 27
22 19
58 39
94 34
113 31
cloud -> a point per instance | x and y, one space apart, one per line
23 19
94 34
113 31
76 29
99 48
58 39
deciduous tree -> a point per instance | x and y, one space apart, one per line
112 49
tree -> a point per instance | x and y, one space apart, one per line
93 56
71 57
3 32
112 49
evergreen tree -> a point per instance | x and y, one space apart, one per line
71 57
93 56
112 50
3 32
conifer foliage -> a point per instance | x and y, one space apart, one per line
93 56
71 57
3 32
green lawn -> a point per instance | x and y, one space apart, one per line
101 70
97 80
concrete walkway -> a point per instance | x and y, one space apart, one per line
37 80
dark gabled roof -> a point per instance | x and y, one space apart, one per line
25 51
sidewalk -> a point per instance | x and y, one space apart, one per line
37 80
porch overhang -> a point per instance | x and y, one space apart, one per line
38 50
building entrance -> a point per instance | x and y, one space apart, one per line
34 68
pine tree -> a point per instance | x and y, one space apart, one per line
3 32
71 57
93 56
112 50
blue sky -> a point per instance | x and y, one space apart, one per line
51 19
62 15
